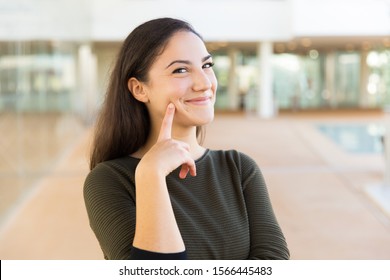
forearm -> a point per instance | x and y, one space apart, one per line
156 227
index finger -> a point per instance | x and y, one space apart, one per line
166 126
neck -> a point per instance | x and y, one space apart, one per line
190 138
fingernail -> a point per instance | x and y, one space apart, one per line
171 106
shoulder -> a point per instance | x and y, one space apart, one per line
243 163
111 173
119 165
233 156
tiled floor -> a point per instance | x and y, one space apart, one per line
318 191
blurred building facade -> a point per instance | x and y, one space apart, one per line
269 54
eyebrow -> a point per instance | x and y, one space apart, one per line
187 61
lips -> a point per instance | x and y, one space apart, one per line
199 100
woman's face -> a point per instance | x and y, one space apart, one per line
183 75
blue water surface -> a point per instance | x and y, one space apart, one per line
355 138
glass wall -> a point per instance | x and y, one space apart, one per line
347 77
298 81
221 69
314 80
241 82
378 80
317 80
37 76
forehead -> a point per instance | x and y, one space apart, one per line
184 45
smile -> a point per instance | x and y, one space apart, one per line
199 100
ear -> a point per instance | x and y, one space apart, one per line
137 89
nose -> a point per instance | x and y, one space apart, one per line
201 81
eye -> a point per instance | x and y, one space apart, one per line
180 70
208 65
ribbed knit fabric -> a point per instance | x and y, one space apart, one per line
222 213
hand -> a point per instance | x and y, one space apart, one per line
168 154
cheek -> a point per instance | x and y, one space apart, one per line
167 91
178 90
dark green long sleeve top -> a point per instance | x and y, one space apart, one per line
223 213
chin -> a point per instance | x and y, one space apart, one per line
205 119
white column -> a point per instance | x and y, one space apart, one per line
87 100
233 81
265 101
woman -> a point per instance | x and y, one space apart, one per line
153 191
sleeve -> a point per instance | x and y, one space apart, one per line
267 239
139 254
111 213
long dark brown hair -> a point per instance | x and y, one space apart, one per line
123 124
